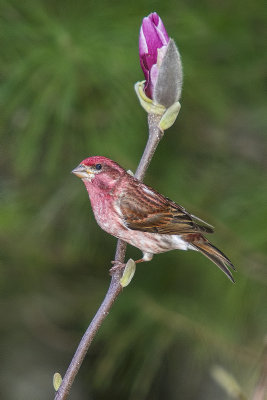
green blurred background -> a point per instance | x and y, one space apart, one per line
67 72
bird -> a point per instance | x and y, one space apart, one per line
128 209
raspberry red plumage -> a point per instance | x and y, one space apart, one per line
134 212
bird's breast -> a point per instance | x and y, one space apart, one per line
105 214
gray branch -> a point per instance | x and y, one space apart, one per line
115 288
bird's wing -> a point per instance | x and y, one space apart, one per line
146 210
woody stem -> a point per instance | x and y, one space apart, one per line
115 287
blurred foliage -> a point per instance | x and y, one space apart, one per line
67 71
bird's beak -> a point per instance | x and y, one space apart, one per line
82 172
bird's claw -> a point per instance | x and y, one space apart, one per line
118 266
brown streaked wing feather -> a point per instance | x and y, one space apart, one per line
146 210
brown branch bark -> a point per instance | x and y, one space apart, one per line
115 288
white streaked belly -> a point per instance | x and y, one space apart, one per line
153 242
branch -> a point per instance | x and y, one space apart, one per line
155 135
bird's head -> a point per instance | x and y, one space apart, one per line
99 171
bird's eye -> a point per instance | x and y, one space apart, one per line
98 167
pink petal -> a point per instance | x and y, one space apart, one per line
142 43
153 36
144 68
153 41
162 31
154 17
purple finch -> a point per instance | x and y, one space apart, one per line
134 212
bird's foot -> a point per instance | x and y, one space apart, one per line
118 266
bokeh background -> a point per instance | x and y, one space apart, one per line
67 72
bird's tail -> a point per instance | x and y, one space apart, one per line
201 244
